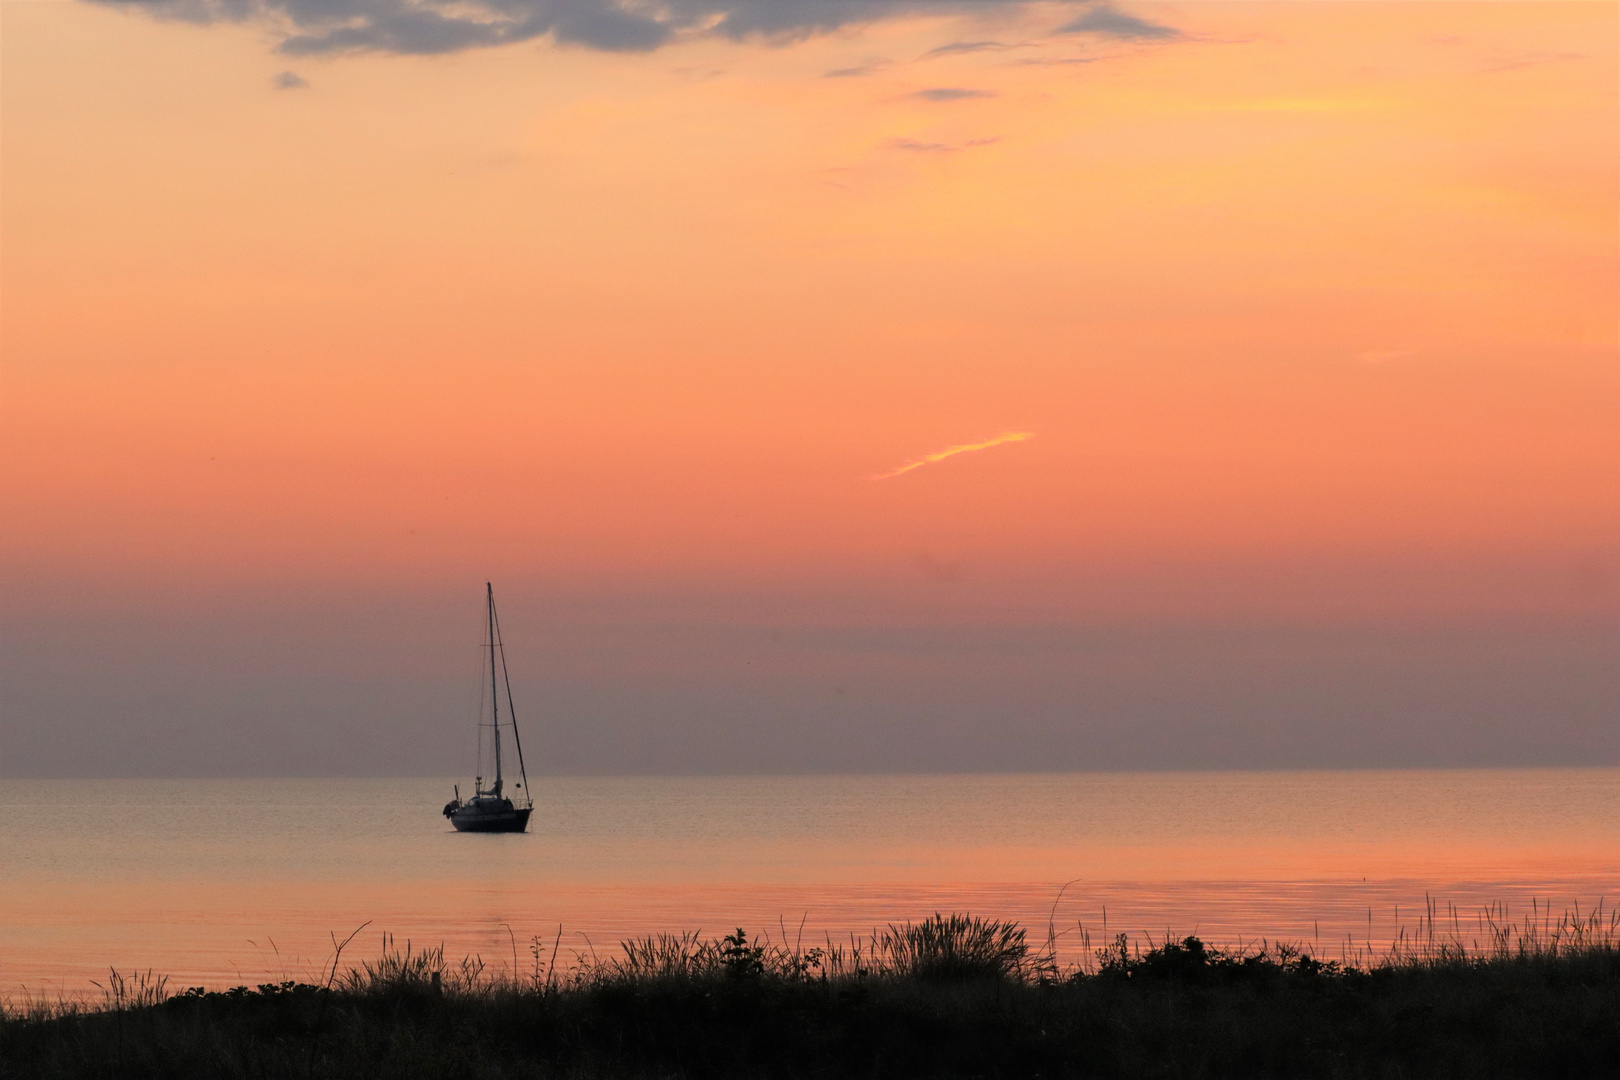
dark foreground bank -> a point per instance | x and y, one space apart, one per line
952 997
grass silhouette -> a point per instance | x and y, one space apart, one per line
948 996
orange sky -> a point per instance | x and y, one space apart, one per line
1311 308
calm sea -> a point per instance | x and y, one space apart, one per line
221 882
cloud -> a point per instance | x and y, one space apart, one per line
1058 61
936 147
964 47
952 451
1109 21
852 72
318 27
290 80
1529 59
951 93
441 26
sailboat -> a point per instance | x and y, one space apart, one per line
490 809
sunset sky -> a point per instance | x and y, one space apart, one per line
823 385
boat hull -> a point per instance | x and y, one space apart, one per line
514 820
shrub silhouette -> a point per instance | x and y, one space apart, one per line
957 947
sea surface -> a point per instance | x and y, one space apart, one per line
226 882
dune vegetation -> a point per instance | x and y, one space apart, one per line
949 996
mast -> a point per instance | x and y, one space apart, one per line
511 713
494 694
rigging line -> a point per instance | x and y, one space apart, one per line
511 711
475 709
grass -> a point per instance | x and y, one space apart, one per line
949 996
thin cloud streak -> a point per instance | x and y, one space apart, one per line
957 47
950 93
952 451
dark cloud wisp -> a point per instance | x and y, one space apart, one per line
1109 21
852 72
319 27
957 47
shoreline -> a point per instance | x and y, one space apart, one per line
1330 918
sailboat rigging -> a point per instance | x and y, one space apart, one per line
490 809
